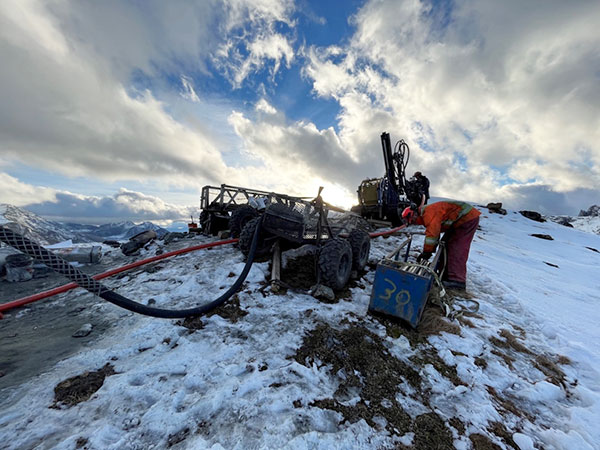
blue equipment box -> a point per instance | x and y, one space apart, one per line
400 293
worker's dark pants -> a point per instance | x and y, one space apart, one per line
458 243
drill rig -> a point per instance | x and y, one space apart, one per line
385 198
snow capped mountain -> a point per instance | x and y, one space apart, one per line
144 226
587 220
33 226
47 232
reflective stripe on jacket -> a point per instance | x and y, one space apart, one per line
440 217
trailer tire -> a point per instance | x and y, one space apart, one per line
263 246
360 242
335 263
239 218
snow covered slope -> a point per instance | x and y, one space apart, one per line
288 371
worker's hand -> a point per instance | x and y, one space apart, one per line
424 256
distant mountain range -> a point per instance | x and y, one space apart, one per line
46 232
587 220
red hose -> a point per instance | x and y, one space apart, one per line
67 287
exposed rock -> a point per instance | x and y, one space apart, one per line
224 234
533 215
496 208
322 292
543 236
173 236
562 220
85 330
593 210
137 242
112 243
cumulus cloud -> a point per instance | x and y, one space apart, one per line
124 205
487 93
253 39
68 102
17 193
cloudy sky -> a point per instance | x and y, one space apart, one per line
126 109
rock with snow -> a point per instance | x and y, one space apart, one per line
32 226
84 331
592 211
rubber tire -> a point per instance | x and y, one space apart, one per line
239 218
263 248
360 242
335 263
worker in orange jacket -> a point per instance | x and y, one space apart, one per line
458 221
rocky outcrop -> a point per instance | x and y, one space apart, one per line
533 215
592 211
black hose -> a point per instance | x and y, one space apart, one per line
60 265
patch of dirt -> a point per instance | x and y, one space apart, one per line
500 430
508 360
177 437
432 322
554 374
80 388
363 365
430 356
458 425
563 360
510 342
481 362
504 405
431 433
81 443
482 442
230 310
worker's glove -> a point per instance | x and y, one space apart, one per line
424 256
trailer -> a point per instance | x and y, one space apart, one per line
229 207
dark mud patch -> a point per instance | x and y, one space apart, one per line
364 367
458 425
482 442
80 388
230 311
432 322
431 433
498 429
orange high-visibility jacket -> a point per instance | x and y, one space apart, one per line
441 216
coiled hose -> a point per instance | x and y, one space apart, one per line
63 267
